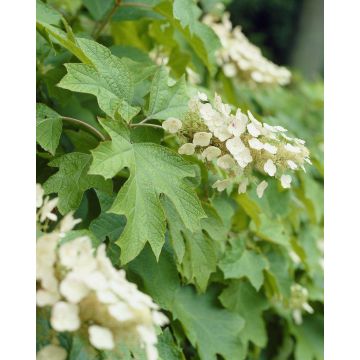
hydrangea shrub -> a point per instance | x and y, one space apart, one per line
179 188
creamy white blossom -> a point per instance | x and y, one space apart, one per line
299 302
221 185
47 208
202 138
65 316
256 144
101 338
225 162
68 223
261 188
238 56
285 181
292 148
270 148
172 125
82 287
241 144
292 164
186 149
269 167
211 153
85 292
243 186
39 195
202 96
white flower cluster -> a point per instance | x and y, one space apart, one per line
85 291
298 302
239 55
238 144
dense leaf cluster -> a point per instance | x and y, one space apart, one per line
221 265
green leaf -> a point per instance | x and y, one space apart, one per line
48 128
241 298
43 328
159 279
187 12
195 251
107 225
210 328
47 14
82 350
82 141
108 78
154 170
65 39
165 100
239 262
309 338
199 36
271 230
279 272
168 349
98 8
72 180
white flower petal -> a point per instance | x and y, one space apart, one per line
225 162
101 338
202 138
253 130
243 186
65 317
186 149
235 145
39 195
292 165
292 148
256 144
270 148
202 96
221 185
172 125
285 181
121 312
269 167
46 298
211 153
261 188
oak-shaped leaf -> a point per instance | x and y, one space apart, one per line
154 170
72 180
239 262
196 252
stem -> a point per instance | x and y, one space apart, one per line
144 121
142 124
108 17
84 124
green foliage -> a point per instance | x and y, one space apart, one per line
165 100
72 180
48 128
150 168
221 266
